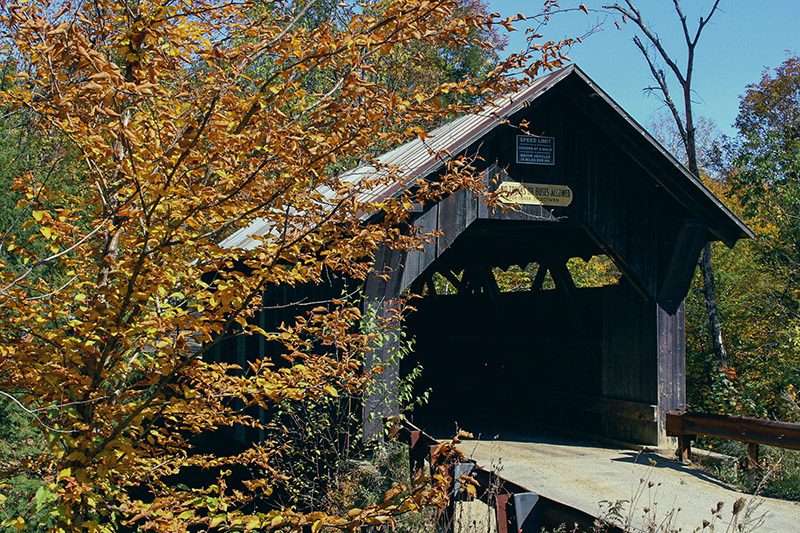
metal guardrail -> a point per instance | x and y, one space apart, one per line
686 426
517 509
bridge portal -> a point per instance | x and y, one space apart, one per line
571 177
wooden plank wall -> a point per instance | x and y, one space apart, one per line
671 351
629 370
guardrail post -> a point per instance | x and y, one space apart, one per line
416 453
460 469
684 452
752 456
676 427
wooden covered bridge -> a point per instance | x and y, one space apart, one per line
608 360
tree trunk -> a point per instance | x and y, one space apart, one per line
712 311
706 266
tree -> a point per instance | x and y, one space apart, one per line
656 56
188 121
767 173
757 280
765 179
708 140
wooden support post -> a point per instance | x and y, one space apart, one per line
490 283
432 459
467 282
538 279
431 286
472 281
492 289
415 458
565 284
451 277
752 456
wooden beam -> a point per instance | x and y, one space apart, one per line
538 279
686 242
451 277
634 277
470 280
490 282
626 409
564 283
431 286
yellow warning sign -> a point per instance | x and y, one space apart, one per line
512 192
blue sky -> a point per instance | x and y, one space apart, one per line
743 38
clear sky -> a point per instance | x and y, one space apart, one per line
743 38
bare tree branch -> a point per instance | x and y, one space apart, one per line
633 13
660 78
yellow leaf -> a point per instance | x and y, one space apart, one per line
331 390
47 232
38 215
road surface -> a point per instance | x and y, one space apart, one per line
582 473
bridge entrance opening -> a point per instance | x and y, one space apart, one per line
524 326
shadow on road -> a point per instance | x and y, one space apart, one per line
657 461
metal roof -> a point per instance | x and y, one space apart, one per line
419 157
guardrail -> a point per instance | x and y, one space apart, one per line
517 509
686 426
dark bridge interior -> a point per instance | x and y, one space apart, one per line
537 356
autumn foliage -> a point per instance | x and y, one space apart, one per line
185 122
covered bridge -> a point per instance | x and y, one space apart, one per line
607 360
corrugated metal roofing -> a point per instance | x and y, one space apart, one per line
419 157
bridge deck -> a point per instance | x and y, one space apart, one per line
583 473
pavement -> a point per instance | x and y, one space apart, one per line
584 473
